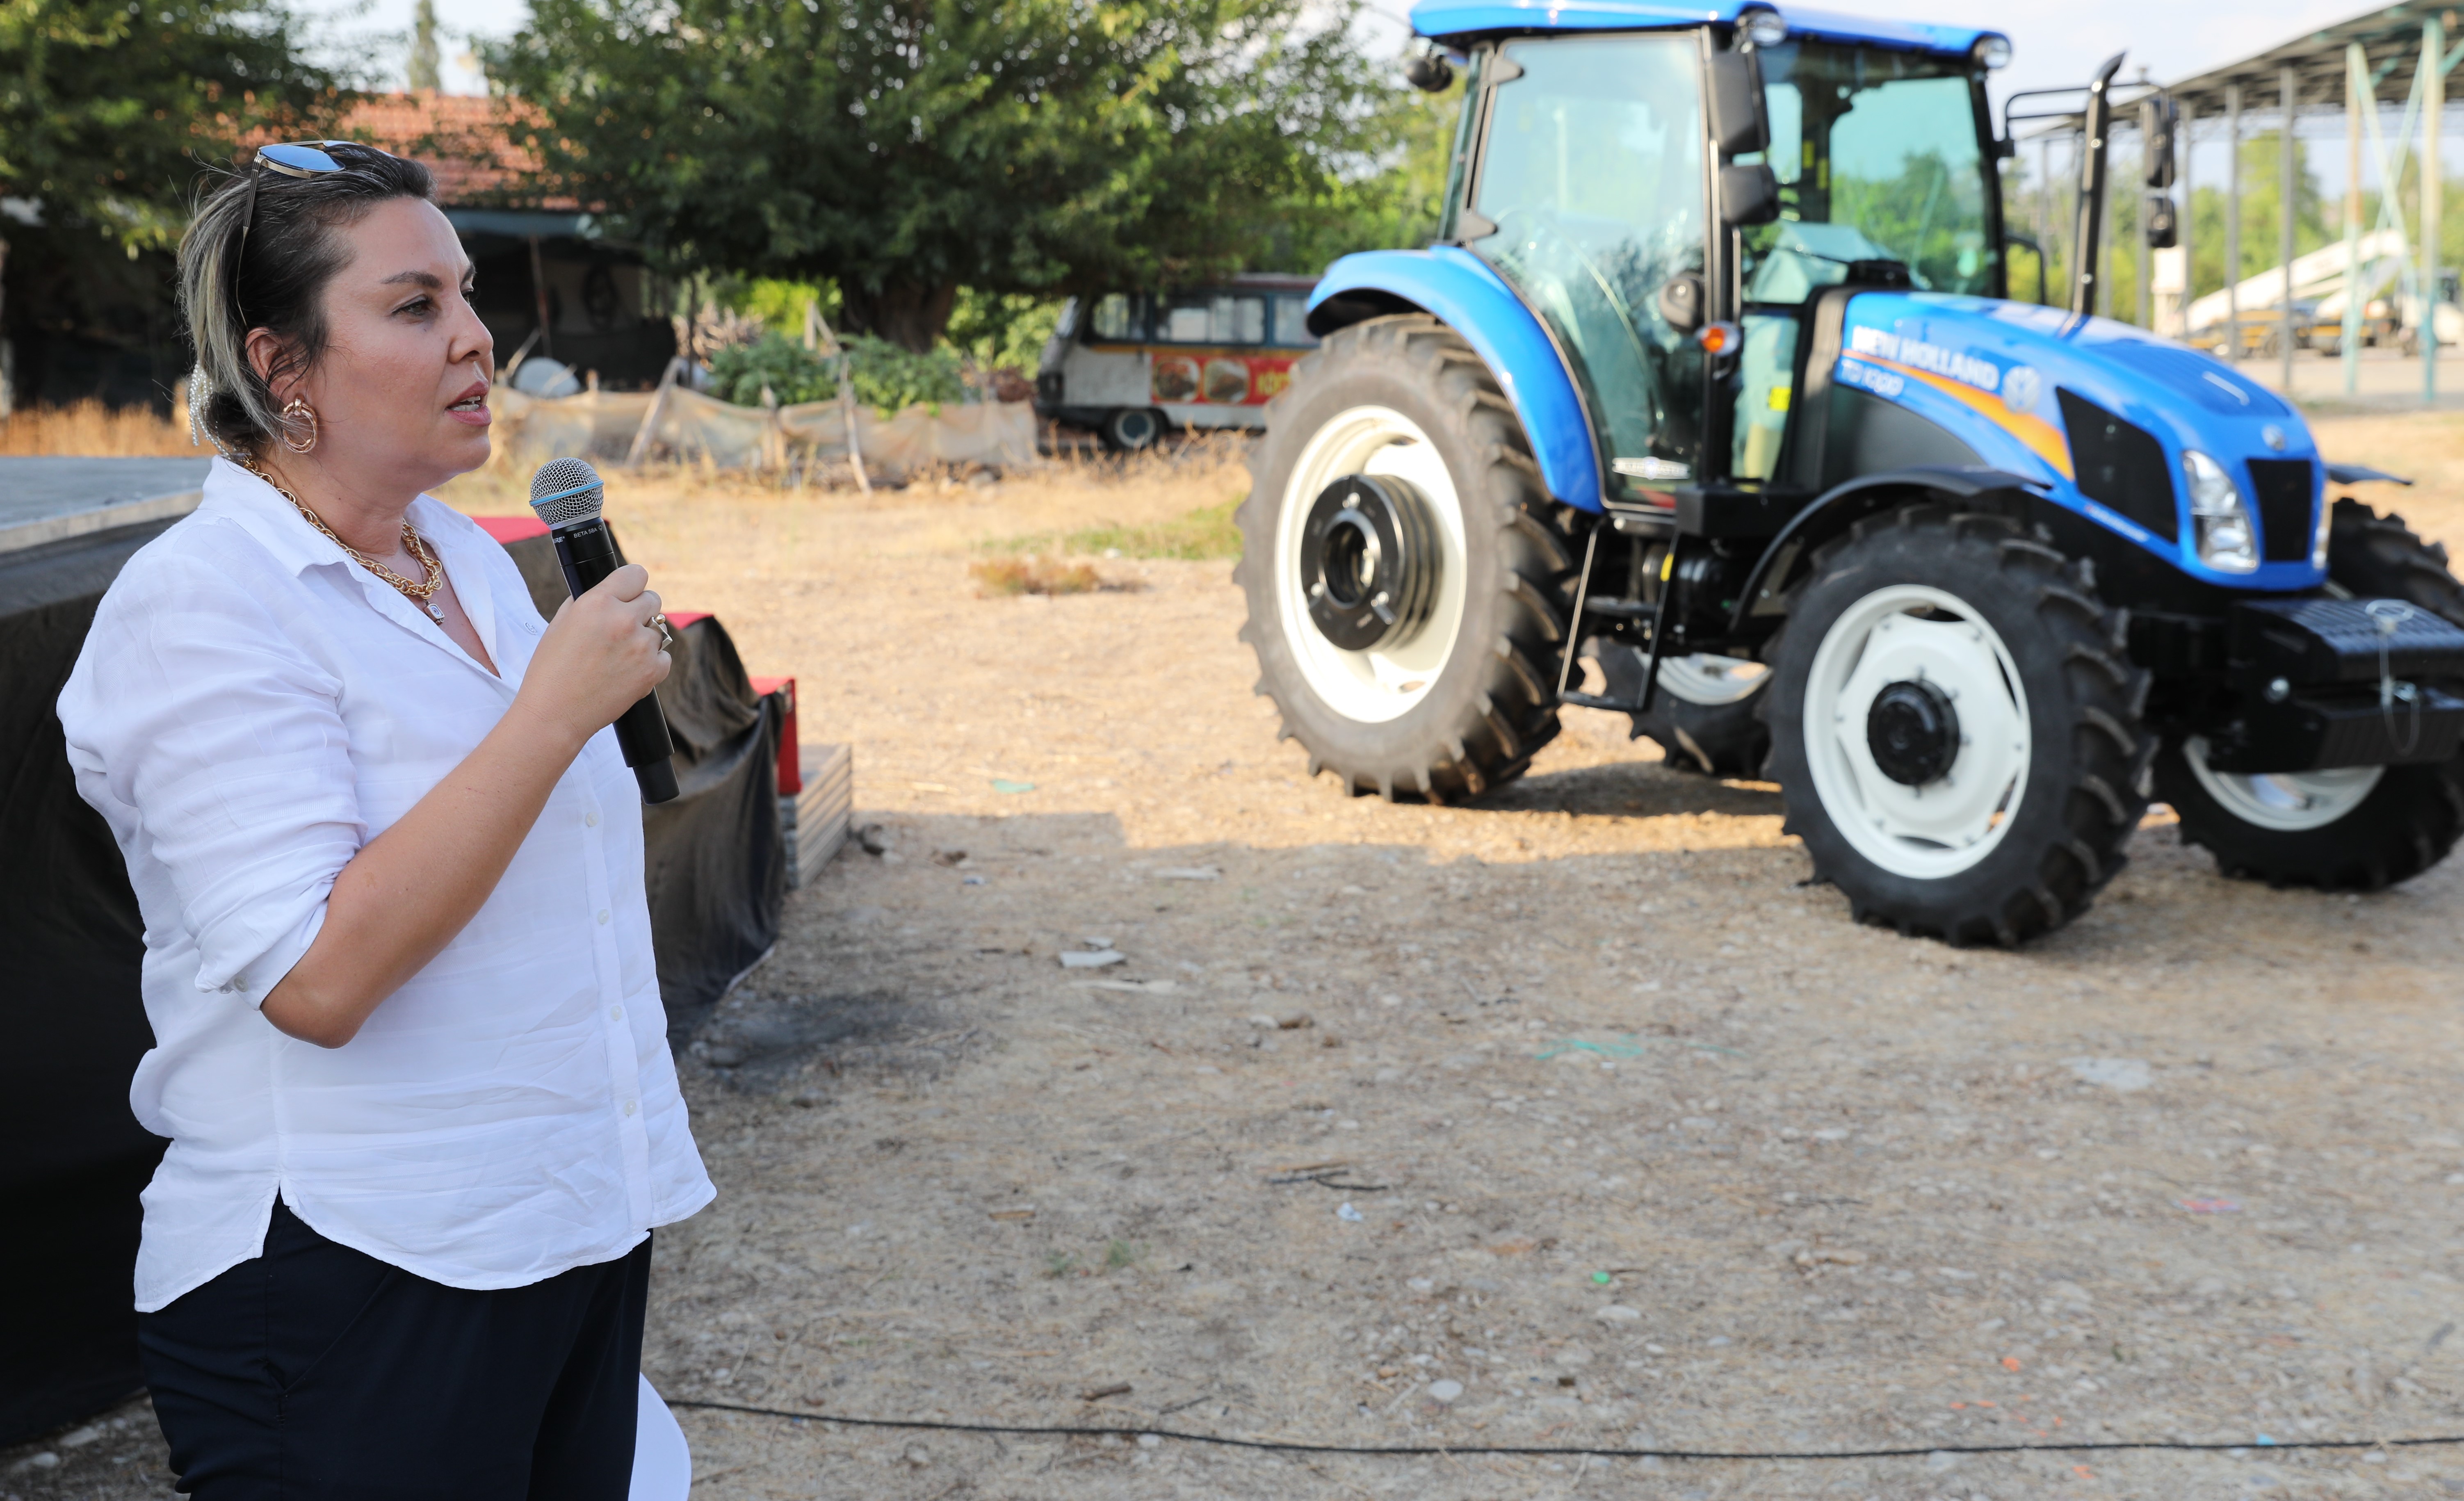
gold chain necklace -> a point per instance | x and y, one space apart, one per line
417 591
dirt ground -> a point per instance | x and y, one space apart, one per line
1574 1117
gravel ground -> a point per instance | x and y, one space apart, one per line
1571 1118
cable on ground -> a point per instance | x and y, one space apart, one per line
1557 1451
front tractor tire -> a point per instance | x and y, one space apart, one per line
1955 727
2351 827
1407 576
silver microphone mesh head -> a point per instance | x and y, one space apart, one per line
566 491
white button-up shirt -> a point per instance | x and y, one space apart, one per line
251 708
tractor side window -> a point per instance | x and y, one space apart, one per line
1592 172
1878 160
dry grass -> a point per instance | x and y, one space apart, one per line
1012 576
90 430
1168 503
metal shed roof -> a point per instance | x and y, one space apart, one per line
2389 36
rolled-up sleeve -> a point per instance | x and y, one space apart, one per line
196 712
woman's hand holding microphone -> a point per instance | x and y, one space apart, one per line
601 654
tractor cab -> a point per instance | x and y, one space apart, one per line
1709 407
1637 189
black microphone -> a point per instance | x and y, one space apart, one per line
567 495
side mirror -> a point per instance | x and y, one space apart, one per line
1739 121
1747 196
2157 220
1429 71
2160 121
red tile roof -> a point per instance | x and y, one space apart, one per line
465 141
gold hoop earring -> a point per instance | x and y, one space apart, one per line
293 412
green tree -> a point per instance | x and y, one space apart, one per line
106 107
907 149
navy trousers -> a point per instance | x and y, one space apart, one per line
317 1373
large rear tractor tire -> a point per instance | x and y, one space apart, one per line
2352 827
1407 575
1955 727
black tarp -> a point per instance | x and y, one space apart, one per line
717 855
70 1010
74 1020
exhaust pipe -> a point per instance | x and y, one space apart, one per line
2096 125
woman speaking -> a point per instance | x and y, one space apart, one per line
409 1046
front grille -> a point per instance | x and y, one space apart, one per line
2119 465
2288 490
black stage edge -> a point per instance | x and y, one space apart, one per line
71 1007
77 1157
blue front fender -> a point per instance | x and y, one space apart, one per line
1460 290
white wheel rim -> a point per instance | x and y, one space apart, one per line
2288 802
1384 681
1945 826
1714 682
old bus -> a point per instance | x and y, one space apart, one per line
1132 365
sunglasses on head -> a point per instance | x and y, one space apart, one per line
300 159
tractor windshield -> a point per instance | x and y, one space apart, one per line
1877 158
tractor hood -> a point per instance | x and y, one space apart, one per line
2103 414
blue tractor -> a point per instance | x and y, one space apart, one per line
1709 407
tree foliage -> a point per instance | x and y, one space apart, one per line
107 109
881 374
906 150
106 105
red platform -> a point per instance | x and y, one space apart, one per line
511 529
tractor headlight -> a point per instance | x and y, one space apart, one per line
2226 540
1991 51
2319 538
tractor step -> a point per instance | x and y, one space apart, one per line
1750 510
1614 705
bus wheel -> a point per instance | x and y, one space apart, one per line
1129 429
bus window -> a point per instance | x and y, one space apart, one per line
1185 322
1117 318
1291 322
1238 320
1213 318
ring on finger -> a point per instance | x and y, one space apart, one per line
659 623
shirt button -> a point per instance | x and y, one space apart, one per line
615 1013
603 916
629 1107
590 820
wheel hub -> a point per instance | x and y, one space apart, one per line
1917 731
1368 561
1913 731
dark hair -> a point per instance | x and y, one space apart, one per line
288 253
